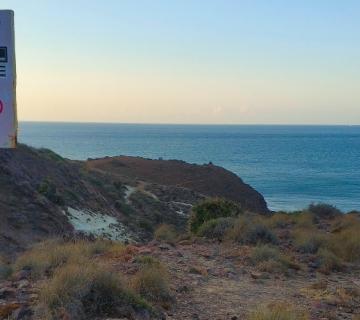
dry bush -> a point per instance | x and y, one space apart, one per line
147 261
251 230
278 311
324 211
216 228
309 240
269 259
346 244
328 261
151 282
280 220
304 219
84 291
166 233
345 221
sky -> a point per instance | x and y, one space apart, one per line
187 61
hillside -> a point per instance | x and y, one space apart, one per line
43 195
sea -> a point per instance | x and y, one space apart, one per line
292 166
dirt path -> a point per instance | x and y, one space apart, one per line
215 283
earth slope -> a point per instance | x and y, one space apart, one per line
43 195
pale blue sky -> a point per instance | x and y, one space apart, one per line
198 61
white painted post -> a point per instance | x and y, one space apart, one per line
8 114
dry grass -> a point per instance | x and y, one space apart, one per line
45 257
83 291
277 311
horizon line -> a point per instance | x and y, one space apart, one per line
195 124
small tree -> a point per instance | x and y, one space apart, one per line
212 209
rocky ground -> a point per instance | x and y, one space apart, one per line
214 281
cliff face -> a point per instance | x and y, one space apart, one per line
43 195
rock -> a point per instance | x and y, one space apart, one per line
258 275
7 292
198 270
22 274
142 315
165 246
23 284
183 289
185 242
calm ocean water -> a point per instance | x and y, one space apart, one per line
291 166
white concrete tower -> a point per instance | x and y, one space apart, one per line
8 114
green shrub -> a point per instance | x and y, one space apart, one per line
166 233
248 230
216 228
212 209
328 261
324 211
84 291
49 190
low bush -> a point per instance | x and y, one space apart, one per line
49 190
278 311
248 230
84 291
151 282
166 233
324 211
269 259
328 261
216 228
212 209
346 244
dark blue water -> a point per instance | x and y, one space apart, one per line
291 166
